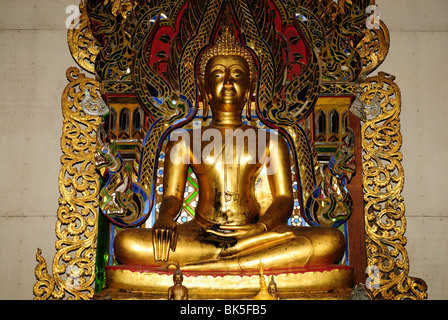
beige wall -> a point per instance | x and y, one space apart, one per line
34 57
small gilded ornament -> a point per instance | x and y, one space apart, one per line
93 107
263 294
362 109
272 288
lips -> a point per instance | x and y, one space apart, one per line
228 93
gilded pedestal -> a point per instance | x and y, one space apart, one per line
133 282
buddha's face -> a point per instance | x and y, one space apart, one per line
178 278
227 83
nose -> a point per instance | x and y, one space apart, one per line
228 83
227 77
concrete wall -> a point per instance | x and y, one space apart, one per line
34 57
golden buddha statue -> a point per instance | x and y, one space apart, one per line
228 232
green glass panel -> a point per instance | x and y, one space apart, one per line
102 252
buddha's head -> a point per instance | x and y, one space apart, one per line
227 76
178 277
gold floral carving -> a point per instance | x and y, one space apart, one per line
121 7
82 44
76 229
374 47
383 179
84 47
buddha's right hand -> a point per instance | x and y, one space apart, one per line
164 238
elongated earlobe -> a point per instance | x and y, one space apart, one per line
249 107
205 108
249 103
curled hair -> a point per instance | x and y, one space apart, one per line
227 45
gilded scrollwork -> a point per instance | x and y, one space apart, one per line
383 179
373 48
74 263
82 44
